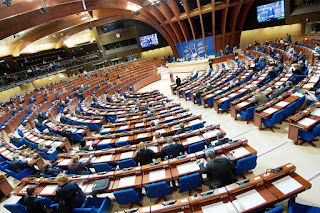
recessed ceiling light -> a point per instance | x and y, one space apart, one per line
20 39
61 33
54 35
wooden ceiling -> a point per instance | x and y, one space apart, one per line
24 18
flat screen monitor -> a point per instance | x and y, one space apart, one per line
149 40
272 11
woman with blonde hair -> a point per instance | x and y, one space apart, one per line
78 167
69 195
144 155
157 137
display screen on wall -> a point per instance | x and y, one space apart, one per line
272 11
149 40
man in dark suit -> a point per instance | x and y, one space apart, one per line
32 202
220 171
178 81
198 94
144 156
17 165
220 139
69 193
182 129
172 150
209 88
210 62
272 72
51 170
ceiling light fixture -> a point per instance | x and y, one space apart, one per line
133 7
84 18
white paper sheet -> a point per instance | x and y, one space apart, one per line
105 141
157 175
308 85
243 104
209 96
153 148
135 117
210 134
188 167
127 181
106 130
49 189
103 158
314 79
24 190
126 155
215 207
197 121
316 112
139 124
64 162
307 121
142 135
240 152
270 110
250 199
194 139
282 103
224 99
122 139
298 94
287 184
170 118
88 188
124 127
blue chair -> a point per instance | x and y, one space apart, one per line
248 114
246 164
122 143
158 190
101 167
49 157
19 176
197 126
18 207
190 182
277 209
128 196
94 205
297 208
127 163
103 146
275 119
196 147
300 102
309 136
289 110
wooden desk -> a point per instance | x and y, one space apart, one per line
177 206
131 181
5 187
288 186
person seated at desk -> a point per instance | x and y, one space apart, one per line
272 73
83 146
144 156
209 87
172 150
48 133
63 104
78 167
220 171
157 137
13 139
42 117
198 94
276 92
259 98
51 170
42 148
68 193
220 140
182 129
17 165
144 107
32 202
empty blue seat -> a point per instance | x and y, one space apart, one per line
19 176
101 167
298 208
49 157
246 164
275 119
196 147
157 190
190 182
128 196
94 205
120 144
248 113
309 136
127 163
277 209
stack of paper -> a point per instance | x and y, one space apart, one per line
240 152
250 199
126 155
287 184
49 189
157 175
188 167
215 207
127 181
